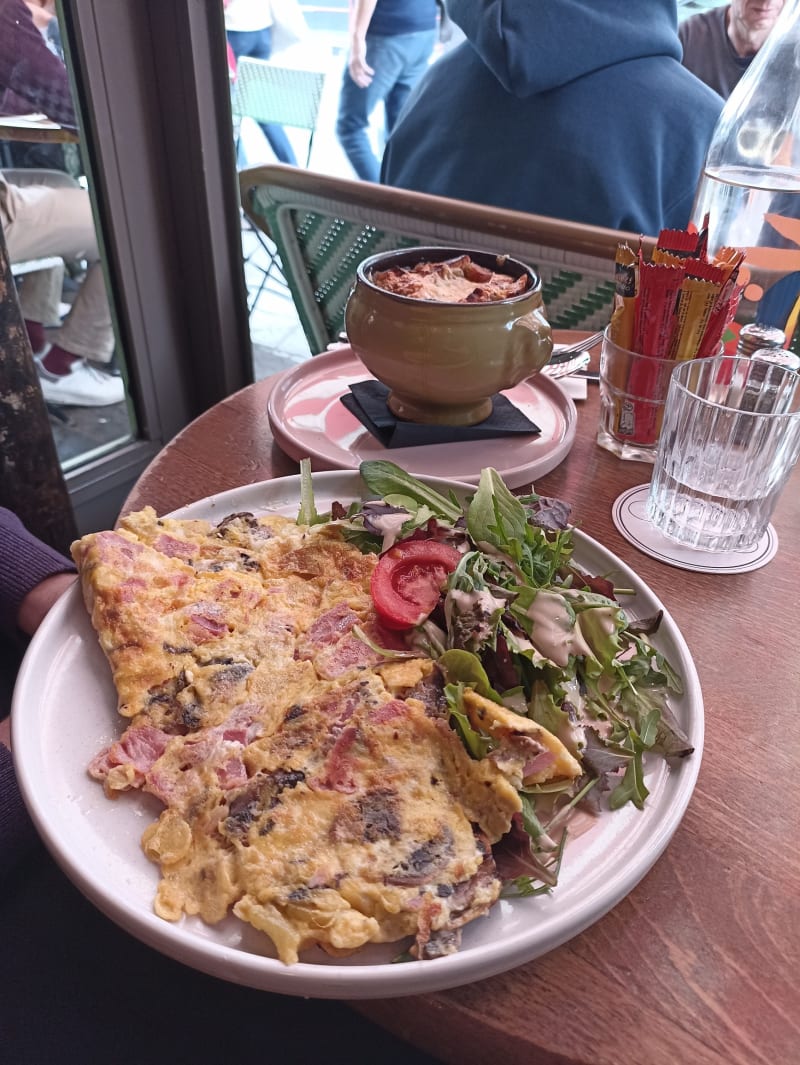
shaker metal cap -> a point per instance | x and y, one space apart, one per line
778 357
755 336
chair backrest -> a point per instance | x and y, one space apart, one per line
286 95
324 227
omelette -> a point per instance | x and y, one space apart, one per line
310 780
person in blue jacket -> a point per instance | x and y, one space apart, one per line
573 109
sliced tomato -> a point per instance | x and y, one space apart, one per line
407 582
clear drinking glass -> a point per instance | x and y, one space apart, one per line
633 390
729 440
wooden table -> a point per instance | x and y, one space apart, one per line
33 129
700 963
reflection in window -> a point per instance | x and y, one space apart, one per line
48 224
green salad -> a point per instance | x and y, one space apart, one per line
486 586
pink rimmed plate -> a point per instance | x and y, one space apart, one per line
308 420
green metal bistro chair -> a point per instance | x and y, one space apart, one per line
323 227
288 96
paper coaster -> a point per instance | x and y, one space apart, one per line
630 517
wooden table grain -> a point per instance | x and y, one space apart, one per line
700 964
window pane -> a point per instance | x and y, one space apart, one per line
55 247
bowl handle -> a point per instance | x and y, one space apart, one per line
532 341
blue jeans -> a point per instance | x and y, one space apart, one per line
257 44
399 62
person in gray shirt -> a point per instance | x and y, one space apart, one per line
719 45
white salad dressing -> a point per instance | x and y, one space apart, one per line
606 615
573 736
389 526
555 635
476 602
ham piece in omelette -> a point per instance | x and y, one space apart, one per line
310 784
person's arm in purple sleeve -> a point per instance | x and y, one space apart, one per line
32 78
32 577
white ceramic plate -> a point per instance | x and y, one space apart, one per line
64 713
308 420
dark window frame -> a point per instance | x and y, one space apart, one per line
151 86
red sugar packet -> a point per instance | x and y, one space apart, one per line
680 242
659 284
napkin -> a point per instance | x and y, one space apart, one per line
366 400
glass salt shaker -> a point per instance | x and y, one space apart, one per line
755 336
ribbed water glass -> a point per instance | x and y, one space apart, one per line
729 440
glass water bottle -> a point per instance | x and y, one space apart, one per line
750 187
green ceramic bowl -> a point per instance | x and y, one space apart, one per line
444 361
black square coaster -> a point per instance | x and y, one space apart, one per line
366 400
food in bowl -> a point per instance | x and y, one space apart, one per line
443 361
459 280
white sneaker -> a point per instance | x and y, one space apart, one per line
83 386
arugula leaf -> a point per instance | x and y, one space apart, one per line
632 789
366 542
544 870
530 822
522 887
543 710
388 481
476 743
648 728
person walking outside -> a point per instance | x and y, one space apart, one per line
391 43
248 27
